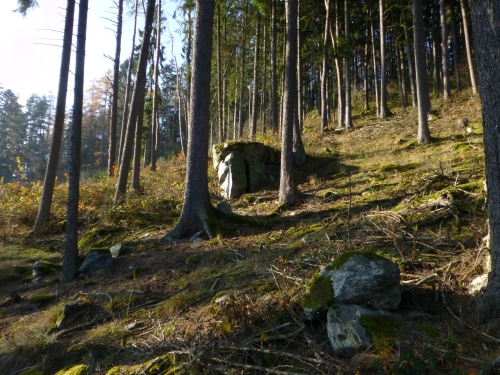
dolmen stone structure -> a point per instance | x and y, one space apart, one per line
245 167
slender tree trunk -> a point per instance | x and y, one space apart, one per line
288 192
384 109
365 74
274 75
197 212
154 123
435 55
300 110
70 260
468 48
456 48
134 110
424 106
399 70
324 71
338 65
375 65
242 72
128 87
57 133
444 52
188 64
253 128
347 69
486 27
220 116
114 104
411 68
136 164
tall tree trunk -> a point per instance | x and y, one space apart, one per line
154 123
57 133
242 72
384 109
375 65
300 110
140 83
468 47
70 260
411 65
253 128
324 71
456 48
486 27
136 164
338 66
365 74
114 103
288 192
274 75
444 50
220 105
128 86
435 55
424 104
197 212
347 69
399 69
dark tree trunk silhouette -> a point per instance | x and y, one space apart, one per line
114 103
57 133
197 212
444 50
136 165
384 109
375 65
347 68
456 48
242 71
128 147
70 260
324 71
411 64
288 192
274 75
424 103
253 127
486 27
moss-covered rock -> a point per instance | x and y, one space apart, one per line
319 296
74 370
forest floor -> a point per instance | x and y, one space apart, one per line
232 305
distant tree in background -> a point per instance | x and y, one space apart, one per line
24 5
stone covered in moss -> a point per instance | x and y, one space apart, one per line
356 277
353 329
75 370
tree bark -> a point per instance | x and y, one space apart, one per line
253 128
57 132
288 192
274 75
127 88
220 105
324 71
197 212
347 69
411 65
384 109
300 99
242 71
456 48
444 50
424 106
70 267
154 123
116 86
468 48
375 65
136 165
140 83
486 27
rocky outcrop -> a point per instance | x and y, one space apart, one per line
96 262
245 167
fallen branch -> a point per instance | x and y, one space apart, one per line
263 370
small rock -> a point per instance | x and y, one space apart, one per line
96 261
198 240
478 284
71 312
196 237
42 268
117 250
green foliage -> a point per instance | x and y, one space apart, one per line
74 370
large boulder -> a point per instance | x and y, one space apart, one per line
356 277
96 262
352 329
245 167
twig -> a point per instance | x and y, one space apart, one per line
465 323
264 370
419 282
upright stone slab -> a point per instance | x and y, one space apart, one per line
232 176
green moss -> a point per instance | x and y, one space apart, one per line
75 370
381 329
249 198
97 237
262 286
430 331
51 265
319 295
42 299
193 259
343 258
114 371
399 167
471 186
32 371
462 147
135 273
